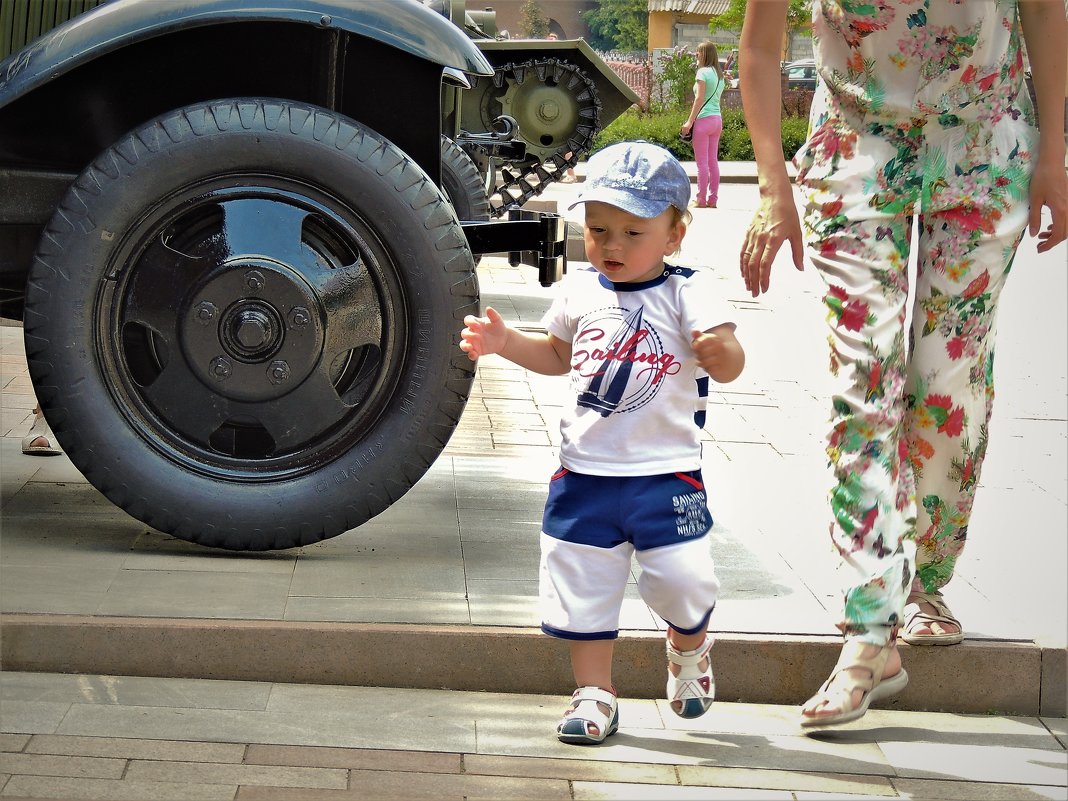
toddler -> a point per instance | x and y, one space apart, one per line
640 340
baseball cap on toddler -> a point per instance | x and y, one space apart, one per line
639 177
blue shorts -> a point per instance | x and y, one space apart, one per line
594 525
646 511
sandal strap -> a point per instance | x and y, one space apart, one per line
692 691
872 687
937 602
687 658
585 721
596 694
850 658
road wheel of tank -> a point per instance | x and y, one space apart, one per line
242 322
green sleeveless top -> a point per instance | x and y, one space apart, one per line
714 86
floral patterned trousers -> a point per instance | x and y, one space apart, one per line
913 396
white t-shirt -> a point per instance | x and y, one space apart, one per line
640 394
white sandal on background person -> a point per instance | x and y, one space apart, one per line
40 431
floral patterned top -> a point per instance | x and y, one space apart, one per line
921 101
899 58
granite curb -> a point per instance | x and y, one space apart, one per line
764 668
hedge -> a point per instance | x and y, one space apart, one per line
663 129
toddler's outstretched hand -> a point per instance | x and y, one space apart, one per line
483 335
709 349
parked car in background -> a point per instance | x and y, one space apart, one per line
800 74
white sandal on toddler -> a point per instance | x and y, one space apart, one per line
584 723
691 692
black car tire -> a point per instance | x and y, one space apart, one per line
242 323
462 183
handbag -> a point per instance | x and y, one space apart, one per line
688 136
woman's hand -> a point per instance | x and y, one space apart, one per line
774 222
1049 188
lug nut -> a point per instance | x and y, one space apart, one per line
221 368
205 312
278 372
299 317
254 280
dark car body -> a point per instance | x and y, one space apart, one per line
79 87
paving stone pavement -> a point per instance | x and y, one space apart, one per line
109 737
459 554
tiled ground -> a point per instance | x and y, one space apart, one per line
122 738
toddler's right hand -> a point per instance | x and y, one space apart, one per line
483 335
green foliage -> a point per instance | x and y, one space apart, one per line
798 17
532 20
662 127
794 134
619 25
678 70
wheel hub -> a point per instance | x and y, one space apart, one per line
266 339
251 330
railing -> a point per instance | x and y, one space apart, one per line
637 70
637 74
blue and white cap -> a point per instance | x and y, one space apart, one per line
638 177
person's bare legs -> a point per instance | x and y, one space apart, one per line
591 662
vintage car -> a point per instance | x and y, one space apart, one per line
241 237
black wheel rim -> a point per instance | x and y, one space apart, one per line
252 327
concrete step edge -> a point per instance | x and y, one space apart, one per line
979 676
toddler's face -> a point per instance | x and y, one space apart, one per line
629 249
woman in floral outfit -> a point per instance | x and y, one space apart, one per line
922 118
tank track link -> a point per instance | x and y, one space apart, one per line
520 186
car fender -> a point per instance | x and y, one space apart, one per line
406 25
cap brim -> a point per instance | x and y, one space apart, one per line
639 207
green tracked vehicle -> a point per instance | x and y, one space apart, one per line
538 113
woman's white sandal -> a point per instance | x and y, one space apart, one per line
585 723
692 691
915 618
874 686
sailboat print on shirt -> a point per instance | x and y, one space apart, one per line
609 383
